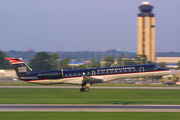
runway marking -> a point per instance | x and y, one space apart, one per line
89 108
78 87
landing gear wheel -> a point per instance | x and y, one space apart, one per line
85 83
82 89
87 89
163 82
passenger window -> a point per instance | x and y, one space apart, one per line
70 74
79 74
74 73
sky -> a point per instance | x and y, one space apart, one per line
80 25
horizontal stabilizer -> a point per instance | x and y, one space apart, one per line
15 60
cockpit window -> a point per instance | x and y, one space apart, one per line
157 66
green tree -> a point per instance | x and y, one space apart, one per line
64 63
150 62
97 64
41 61
141 59
129 62
178 65
121 60
162 64
54 61
109 61
4 64
94 64
81 67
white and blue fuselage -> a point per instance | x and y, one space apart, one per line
85 77
99 75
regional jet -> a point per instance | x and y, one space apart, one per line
85 77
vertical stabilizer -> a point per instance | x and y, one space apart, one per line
21 68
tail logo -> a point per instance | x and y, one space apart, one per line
22 69
19 61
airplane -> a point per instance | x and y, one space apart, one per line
85 77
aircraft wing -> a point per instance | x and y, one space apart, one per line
95 79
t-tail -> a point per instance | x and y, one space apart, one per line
21 68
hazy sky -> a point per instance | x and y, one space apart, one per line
78 25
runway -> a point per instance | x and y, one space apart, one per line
91 87
89 108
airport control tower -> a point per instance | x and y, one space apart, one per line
146 32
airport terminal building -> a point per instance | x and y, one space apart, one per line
171 62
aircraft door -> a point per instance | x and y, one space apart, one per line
93 73
155 68
141 70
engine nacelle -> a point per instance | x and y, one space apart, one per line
50 75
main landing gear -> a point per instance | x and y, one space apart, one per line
84 88
85 84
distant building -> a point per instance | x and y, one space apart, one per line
146 32
74 64
29 49
171 62
7 73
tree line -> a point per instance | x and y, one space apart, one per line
46 61
90 54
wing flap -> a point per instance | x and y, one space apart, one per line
94 80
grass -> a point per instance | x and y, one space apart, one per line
88 116
94 96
